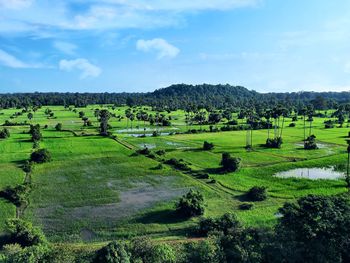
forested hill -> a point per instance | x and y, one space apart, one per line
181 96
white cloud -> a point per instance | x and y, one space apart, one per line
15 4
65 47
48 16
10 61
87 69
159 45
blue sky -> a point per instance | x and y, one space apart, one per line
143 45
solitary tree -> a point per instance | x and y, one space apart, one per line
191 204
104 117
30 116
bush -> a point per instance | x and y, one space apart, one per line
246 206
58 127
160 152
292 124
144 151
230 164
310 143
178 164
274 142
4 133
114 252
16 195
40 156
191 204
257 193
207 146
23 233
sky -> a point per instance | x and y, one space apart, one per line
143 45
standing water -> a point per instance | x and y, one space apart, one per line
312 173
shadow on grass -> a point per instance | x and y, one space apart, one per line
167 216
217 170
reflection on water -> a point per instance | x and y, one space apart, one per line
311 173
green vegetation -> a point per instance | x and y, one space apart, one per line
151 170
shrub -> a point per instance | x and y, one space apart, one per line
4 133
310 143
191 204
40 156
144 151
246 206
178 164
27 166
257 193
292 124
16 195
23 233
230 164
58 127
207 146
114 252
160 152
274 142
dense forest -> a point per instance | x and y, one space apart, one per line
182 96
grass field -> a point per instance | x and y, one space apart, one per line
96 189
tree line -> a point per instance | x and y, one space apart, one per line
181 96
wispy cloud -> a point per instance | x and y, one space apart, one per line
105 14
158 45
15 4
65 47
9 60
87 69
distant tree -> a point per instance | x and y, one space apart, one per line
230 164
207 146
40 156
35 132
257 193
30 116
58 127
191 204
104 117
114 252
4 133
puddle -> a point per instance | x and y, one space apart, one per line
311 173
174 144
146 129
147 145
319 145
147 134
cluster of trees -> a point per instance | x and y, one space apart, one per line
314 229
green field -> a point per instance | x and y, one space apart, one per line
96 188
